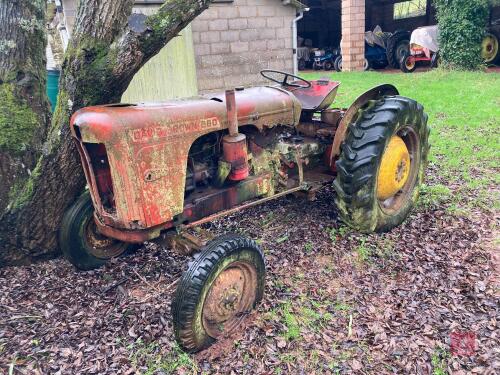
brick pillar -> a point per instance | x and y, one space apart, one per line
353 34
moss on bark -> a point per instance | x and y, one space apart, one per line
18 121
22 192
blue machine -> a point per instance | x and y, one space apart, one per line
325 59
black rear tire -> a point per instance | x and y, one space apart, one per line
74 237
302 64
328 65
360 159
435 60
337 64
367 65
397 41
194 290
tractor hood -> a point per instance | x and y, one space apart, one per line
259 106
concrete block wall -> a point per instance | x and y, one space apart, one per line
353 34
234 41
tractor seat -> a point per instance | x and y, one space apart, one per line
317 97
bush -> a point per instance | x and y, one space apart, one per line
462 25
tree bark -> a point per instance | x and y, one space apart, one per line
24 111
108 46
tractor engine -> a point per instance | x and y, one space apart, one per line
283 153
280 152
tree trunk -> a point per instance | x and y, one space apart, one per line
108 46
24 111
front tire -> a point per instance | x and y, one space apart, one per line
79 240
408 64
224 282
382 164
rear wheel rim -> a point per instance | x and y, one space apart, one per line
100 246
489 48
408 173
231 296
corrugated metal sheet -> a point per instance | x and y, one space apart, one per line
170 74
51 63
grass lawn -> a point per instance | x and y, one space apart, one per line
464 115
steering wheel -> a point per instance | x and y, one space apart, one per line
284 82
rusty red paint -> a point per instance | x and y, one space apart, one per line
198 207
147 147
416 58
234 145
235 153
319 96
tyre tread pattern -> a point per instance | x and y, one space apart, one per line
392 43
189 290
361 152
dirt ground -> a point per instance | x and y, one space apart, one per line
336 301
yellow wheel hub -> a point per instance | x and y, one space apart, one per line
489 48
394 169
410 63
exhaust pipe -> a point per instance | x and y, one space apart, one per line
234 145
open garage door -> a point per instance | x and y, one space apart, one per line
323 26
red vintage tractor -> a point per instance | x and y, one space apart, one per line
155 170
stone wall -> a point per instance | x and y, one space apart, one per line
233 41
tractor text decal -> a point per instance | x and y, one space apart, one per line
176 128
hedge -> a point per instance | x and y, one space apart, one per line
462 25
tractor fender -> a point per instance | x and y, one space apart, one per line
374 93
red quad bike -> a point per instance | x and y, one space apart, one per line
423 48
156 170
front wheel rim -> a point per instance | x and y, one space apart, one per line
392 203
100 246
231 296
410 63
